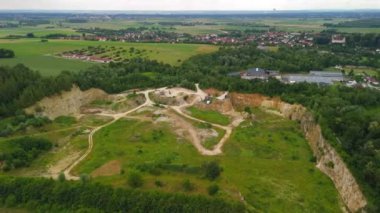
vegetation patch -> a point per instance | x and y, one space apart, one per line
21 152
5 53
104 54
209 116
267 161
54 196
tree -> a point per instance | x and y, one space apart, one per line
212 170
30 35
5 53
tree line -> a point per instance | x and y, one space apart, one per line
5 53
44 195
21 152
21 87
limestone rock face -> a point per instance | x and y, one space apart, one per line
328 160
66 103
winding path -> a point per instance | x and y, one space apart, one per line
200 95
116 117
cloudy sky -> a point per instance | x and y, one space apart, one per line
188 4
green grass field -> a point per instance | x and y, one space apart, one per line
41 56
209 116
267 161
38 31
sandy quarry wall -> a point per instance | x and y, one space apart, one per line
328 160
66 103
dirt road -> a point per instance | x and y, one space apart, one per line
115 117
200 95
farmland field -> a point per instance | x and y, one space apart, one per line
41 55
37 31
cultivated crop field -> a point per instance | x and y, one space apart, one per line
41 56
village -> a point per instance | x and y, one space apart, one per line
291 39
266 38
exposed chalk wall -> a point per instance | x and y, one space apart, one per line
328 160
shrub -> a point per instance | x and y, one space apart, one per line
212 170
135 180
313 159
213 189
10 201
187 185
84 178
158 183
330 164
61 177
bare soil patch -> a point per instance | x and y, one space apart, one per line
213 92
108 169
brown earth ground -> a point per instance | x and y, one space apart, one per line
108 169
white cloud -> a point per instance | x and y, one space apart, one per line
188 4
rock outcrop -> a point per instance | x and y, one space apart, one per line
66 103
328 160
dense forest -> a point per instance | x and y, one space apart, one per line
21 152
21 87
44 195
349 117
5 53
123 76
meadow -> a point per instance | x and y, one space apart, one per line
267 162
209 116
41 56
68 140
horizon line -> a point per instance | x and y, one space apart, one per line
200 10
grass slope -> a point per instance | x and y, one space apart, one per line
267 162
209 116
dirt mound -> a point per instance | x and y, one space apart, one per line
66 103
161 98
212 92
108 169
239 101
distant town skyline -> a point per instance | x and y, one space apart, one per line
178 5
